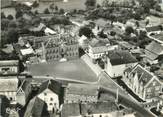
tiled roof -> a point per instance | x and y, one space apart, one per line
121 57
52 85
9 63
153 50
35 108
8 84
153 28
144 76
71 109
82 89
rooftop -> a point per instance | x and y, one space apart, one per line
52 85
8 84
144 76
153 50
80 89
9 63
71 109
121 57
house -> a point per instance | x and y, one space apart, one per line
6 3
126 46
55 47
153 53
8 88
23 92
4 104
75 93
142 82
98 48
9 67
118 61
70 110
49 92
36 108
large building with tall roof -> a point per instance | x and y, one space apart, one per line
143 83
118 61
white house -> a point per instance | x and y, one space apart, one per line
8 88
118 61
9 67
98 48
49 92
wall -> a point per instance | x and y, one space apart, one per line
46 96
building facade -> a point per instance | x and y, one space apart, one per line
143 83
118 61
75 93
9 67
9 88
49 92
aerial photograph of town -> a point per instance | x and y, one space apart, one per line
81 58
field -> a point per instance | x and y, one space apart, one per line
75 70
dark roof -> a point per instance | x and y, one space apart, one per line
4 103
52 85
35 108
72 109
98 108
153 28
121 57
144 76
25 85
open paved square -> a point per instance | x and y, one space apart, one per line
73 70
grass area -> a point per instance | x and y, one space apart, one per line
72 4
75 69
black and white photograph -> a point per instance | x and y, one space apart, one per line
81 58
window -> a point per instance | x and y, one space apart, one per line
51 99
157 88
45 94
149 90
51 104
154 83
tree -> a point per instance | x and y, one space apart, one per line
4 24
137 24
56 8
46 11
61 11
36 12
3 15
129 30
51 7
12 24
10 17
12 35
90 3
86 31
18 14
35 4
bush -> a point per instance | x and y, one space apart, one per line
10 17
46 11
